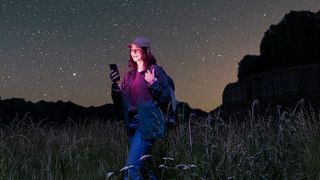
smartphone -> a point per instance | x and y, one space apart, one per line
114 68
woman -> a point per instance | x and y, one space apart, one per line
143 89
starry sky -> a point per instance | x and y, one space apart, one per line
61 49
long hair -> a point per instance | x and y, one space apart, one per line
147 58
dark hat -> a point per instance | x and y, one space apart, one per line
140 42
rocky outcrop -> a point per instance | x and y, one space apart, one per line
292 42
284 86
287 70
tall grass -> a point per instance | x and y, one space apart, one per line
85 151
267 144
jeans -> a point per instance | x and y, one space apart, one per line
138 148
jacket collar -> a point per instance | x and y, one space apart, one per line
133 71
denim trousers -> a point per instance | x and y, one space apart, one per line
136 163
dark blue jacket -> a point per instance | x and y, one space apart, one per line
151 119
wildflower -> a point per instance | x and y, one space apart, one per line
180 165
256 101
109 174
144 157
192 165
168 158
126 167
162 166
186 166
189 166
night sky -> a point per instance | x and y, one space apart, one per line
60 49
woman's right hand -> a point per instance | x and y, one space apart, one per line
114 76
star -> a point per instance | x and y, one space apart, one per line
47 46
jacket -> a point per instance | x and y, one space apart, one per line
151 119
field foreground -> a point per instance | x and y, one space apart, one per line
269 144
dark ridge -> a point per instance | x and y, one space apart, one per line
61 112
53 112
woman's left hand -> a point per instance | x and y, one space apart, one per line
149 77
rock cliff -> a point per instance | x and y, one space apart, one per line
287 70
282 85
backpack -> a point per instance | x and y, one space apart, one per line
170 119
169 110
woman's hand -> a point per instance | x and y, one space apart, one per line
149 77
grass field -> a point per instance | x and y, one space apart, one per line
278 144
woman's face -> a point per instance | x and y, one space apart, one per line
136 53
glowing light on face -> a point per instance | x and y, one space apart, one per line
136 53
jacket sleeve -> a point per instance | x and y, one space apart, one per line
116 94
160 89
